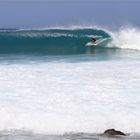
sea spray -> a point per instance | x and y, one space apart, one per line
125 38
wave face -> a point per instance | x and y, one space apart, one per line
48 41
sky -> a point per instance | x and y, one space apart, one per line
44 13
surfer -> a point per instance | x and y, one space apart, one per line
93 39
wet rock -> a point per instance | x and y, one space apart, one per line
113 132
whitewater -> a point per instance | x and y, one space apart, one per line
52 86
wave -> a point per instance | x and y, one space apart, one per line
48 41
66 40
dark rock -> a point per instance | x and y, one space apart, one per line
113 132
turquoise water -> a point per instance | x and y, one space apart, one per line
47 42
52 84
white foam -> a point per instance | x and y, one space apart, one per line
126 38
62 97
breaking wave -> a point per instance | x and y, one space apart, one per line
66 40
48 41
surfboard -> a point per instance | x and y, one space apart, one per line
98 42
91 44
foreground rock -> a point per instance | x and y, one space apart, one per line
114 132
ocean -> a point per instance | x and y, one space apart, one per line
54 87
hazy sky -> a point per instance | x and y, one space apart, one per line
42 13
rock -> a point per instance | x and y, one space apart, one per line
113 132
